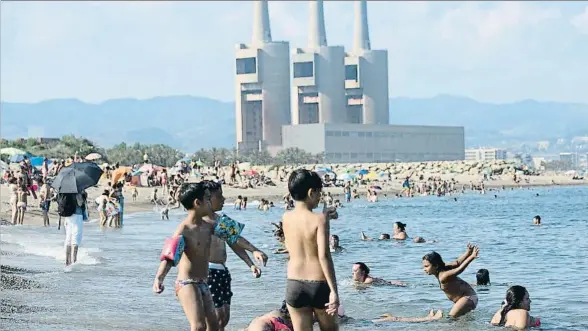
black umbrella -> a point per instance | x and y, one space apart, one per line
77 177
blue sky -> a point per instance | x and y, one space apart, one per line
495 51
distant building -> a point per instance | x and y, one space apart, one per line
262 86
570 159
354 143
485 154
366 76
318 76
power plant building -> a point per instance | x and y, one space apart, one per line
326 100
318 76
366 76
262 87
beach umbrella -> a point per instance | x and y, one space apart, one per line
372 175
93 156
118 173
15 158
12 151
350 170
77 177
346 177
363 172
324 171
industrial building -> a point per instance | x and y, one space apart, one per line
262 86
318 76
327 100
351 143
366 76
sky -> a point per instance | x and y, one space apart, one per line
93 51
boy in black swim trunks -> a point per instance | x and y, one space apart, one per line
311 286
219 277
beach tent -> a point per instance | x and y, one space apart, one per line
37 161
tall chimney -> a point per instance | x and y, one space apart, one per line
361 40
317 35
262 32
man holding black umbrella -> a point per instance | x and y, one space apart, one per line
75 206
71 184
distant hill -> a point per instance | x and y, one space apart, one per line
190 123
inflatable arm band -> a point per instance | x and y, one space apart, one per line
172 250
228 229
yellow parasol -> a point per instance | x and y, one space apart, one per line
118 174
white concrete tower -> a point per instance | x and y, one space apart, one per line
366 76
262 86
318 76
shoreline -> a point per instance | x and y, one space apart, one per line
275 194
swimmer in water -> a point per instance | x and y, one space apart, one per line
334 244
430 317
537 220
399 231
514 312
421 240
275 320
361 274
460 292
483 277
383 236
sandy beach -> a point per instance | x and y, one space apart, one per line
275 193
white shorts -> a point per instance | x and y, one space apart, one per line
74 226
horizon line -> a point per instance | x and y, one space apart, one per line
233 101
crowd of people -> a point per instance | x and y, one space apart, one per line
311 286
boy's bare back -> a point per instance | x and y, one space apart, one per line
194 261
301 229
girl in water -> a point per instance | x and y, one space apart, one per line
457 290
399 232
514 312
275 320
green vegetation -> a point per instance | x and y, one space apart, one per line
158 154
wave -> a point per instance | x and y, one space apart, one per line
42 244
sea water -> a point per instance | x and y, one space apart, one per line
110 287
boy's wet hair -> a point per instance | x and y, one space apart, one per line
538 218
385 236
190 192
483 277
363 267
212 186
302 180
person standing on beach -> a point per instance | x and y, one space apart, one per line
311 288
46 194
219 277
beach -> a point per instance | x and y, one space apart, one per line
109 289
276 193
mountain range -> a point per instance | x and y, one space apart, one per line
190 123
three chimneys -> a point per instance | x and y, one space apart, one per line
317 35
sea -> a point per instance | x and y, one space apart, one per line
110 286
